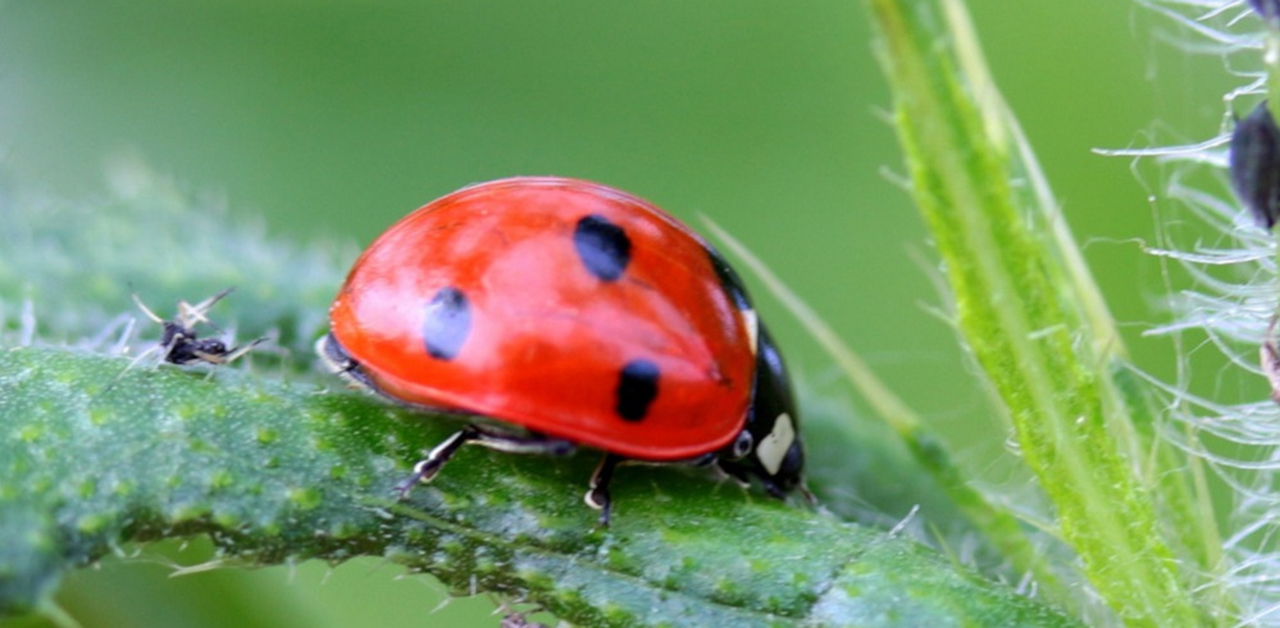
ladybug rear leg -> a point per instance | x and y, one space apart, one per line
598 492
427 468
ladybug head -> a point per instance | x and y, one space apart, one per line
769 447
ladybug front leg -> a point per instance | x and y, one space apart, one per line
598 494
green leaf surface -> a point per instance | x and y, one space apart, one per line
100 451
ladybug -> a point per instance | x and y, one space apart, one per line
559 312
181 343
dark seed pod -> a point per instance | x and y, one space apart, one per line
1268 9
1255 165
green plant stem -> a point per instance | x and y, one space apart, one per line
96 452
999 527
1019 306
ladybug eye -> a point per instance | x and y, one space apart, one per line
742 446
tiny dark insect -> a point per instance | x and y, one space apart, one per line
180 342
1254 165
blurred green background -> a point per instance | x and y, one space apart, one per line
331 119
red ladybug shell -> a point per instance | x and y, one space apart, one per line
492 301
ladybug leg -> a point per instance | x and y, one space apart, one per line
598 489
808 494
522 443
427 468
739 474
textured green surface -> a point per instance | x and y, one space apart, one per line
67 268
98 452
1035 323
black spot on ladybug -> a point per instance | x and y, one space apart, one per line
637 387
603 247
448 323
729 280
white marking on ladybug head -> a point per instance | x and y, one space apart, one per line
773 448
752 323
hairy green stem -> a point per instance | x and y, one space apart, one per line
96 452
998 526
1028 310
